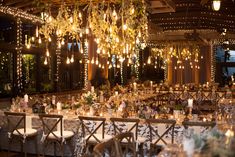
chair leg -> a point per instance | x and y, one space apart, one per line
54 149
62 149
36 146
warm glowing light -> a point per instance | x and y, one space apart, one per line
49 39
37 31
92 61
149 60
33 39
124 27
68 60
47 53
62 42
72 59
87 30
39 40
45 61
216 5
96 62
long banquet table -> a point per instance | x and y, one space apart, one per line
72 123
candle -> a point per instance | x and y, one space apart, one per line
190 103
92 89
134 85
58 106
53 99
26 98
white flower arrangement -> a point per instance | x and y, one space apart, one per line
89 97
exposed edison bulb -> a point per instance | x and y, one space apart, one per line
49 39
125 27
108 62
96 61
110 66
99 65
37 31
114 13
72 59
71 19
80 34
80 61
98 51
103 51
80 15
129 61
132 11
97 40
45 61
62 42
102 66
88 61
118 66
137 40
33 39
155 66
87 30
86 43
117 40
92 61
39 40
67 60
59 45
201 57
47 53
28 46
171 49
81 50
149 60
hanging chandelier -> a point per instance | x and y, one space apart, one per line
118 27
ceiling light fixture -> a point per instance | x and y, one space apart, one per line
216 5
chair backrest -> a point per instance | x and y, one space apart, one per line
125 140
50 123
160 129
16 121
198 126
122 125
107 148
91 125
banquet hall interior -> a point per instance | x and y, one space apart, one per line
117 78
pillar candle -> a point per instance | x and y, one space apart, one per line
190 103
26 98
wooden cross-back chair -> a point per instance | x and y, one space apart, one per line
157 138
197 125
106 148
93 130
122 125
17 129
125 140
53 132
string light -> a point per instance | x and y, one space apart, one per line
15 12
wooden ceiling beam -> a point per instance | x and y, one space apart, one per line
24 4
12 2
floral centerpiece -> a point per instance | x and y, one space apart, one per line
89 99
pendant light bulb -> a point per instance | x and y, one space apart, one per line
68 60
45 61
72 59
47 53
216 5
